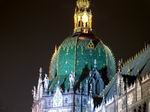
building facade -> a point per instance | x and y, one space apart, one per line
130 92
83 76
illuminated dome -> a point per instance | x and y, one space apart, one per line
78 52
81 54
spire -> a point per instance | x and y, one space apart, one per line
82 17
40 86
55 48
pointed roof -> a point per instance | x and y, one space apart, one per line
139 64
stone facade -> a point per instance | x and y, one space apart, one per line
137 98
59 101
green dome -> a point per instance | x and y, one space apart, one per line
78 52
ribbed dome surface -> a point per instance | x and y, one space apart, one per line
78 52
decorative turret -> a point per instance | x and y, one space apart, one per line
40 86
82 17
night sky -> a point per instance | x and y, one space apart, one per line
30 29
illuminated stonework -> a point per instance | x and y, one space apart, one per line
58 98
83 77
82 17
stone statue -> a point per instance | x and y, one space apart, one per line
46 82
71 79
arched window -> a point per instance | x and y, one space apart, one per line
86 25
79 23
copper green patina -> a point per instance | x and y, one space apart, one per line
76 55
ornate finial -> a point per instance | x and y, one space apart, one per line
40 70
119 65
82 17
83 4
55 48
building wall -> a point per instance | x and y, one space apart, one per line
138 98
69 101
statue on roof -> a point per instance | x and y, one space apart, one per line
71 79
46 82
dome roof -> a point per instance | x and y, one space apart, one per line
78 52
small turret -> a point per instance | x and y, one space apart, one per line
82 17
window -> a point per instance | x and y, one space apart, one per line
66 100
84 102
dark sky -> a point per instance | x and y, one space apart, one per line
29 30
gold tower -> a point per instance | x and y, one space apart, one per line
82 17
